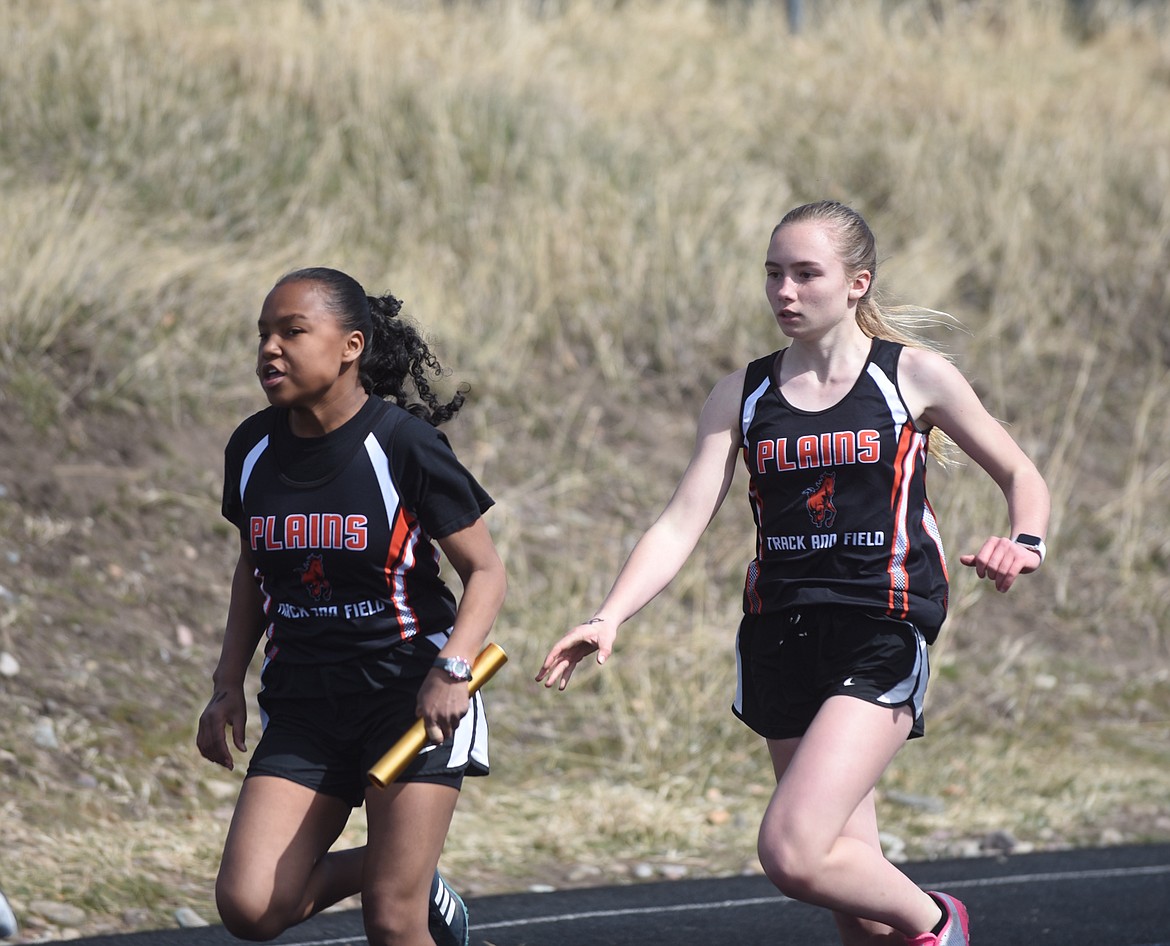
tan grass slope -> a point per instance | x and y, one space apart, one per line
574 199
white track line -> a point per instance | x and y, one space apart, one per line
1012 879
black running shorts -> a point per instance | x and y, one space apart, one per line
790 662
325 725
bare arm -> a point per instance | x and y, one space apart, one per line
244 628
942 397
663 549
442 702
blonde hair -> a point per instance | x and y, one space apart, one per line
857 250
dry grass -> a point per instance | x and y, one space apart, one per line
574 201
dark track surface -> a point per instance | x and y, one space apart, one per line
1101 897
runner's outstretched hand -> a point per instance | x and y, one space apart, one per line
1002 561
595 635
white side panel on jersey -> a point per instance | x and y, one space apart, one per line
250 464
890 393
749 407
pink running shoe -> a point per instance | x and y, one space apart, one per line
954 931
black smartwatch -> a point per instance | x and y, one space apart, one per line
1033 542
457 668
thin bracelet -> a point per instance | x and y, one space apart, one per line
593 621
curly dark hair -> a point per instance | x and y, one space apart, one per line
394 352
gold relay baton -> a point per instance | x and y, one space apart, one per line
399 756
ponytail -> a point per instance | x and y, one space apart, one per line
396 352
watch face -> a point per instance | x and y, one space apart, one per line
459 668
1033 542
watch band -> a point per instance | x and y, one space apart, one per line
1033 542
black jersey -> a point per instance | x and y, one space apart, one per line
839 499
341 528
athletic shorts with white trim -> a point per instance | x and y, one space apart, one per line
325 725
790 662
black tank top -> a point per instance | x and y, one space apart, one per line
839 499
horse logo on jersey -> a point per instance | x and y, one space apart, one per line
818 500
313 578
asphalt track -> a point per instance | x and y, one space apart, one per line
1102 897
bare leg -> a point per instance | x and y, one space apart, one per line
854 930
862 824
818 840
407 829
275 870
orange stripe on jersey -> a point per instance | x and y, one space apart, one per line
398 561
909 444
